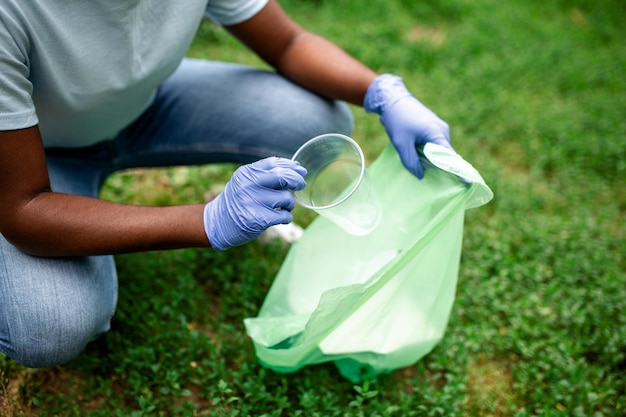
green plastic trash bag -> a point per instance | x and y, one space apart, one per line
372 304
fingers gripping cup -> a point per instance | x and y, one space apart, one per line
338 187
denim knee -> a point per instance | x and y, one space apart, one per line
48 346
50 308
42 343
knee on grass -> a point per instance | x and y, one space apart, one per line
49 344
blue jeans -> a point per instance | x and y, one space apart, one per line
206 112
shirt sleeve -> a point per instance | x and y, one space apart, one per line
17 110
230 12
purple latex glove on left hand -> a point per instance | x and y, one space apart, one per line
407 121
256 197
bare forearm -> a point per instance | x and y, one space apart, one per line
54 224
307 59
323 67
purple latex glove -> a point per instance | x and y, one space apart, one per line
256 197
407 121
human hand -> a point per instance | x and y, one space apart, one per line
256 197
407 121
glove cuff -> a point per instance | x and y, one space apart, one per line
383 92
210 228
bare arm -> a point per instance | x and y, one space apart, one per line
324 68
45 223
305 58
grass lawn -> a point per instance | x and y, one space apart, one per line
535 94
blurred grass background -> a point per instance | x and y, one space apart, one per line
535 94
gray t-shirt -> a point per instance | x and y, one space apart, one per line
83 70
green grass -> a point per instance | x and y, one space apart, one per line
535 93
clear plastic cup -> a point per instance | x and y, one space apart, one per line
338 186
